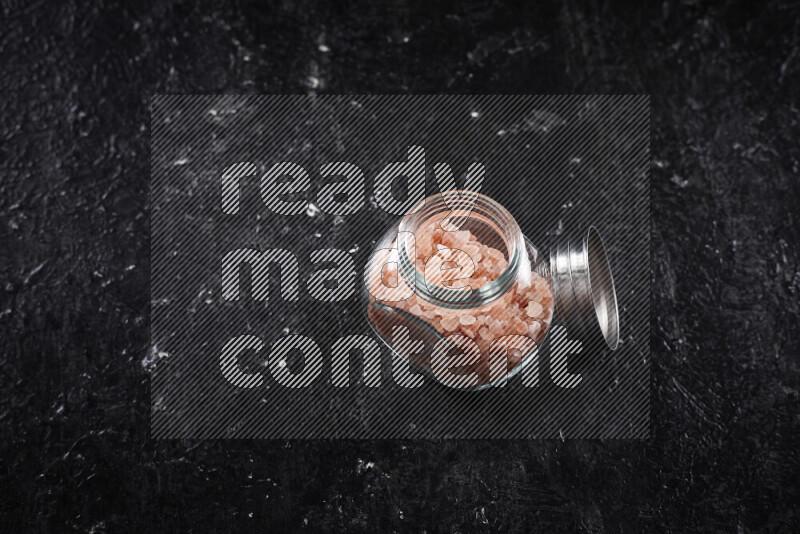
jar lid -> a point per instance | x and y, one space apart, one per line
583 288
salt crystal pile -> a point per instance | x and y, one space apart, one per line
526 309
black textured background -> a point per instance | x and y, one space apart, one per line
74 153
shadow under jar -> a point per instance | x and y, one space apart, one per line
456 282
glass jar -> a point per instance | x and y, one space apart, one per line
458 290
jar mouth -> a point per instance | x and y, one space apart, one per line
456 210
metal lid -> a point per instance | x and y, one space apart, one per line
583 288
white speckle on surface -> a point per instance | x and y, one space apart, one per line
474 114
680 182
179 162
159 405
282 364
362 466
323 48
152 358
312 210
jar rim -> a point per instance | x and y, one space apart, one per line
464 204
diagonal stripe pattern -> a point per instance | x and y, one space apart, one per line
266 208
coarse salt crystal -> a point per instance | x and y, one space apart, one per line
467 319
533 329
534 309
494 253
518 326
450 322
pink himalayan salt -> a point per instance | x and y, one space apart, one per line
534 296
534 309
496 254
499 312
467 319
483 344
425 244
456 239
450 322
498 328
518 326
533 329
514 356
432 239
473 252
523 310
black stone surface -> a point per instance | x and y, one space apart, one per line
74 153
